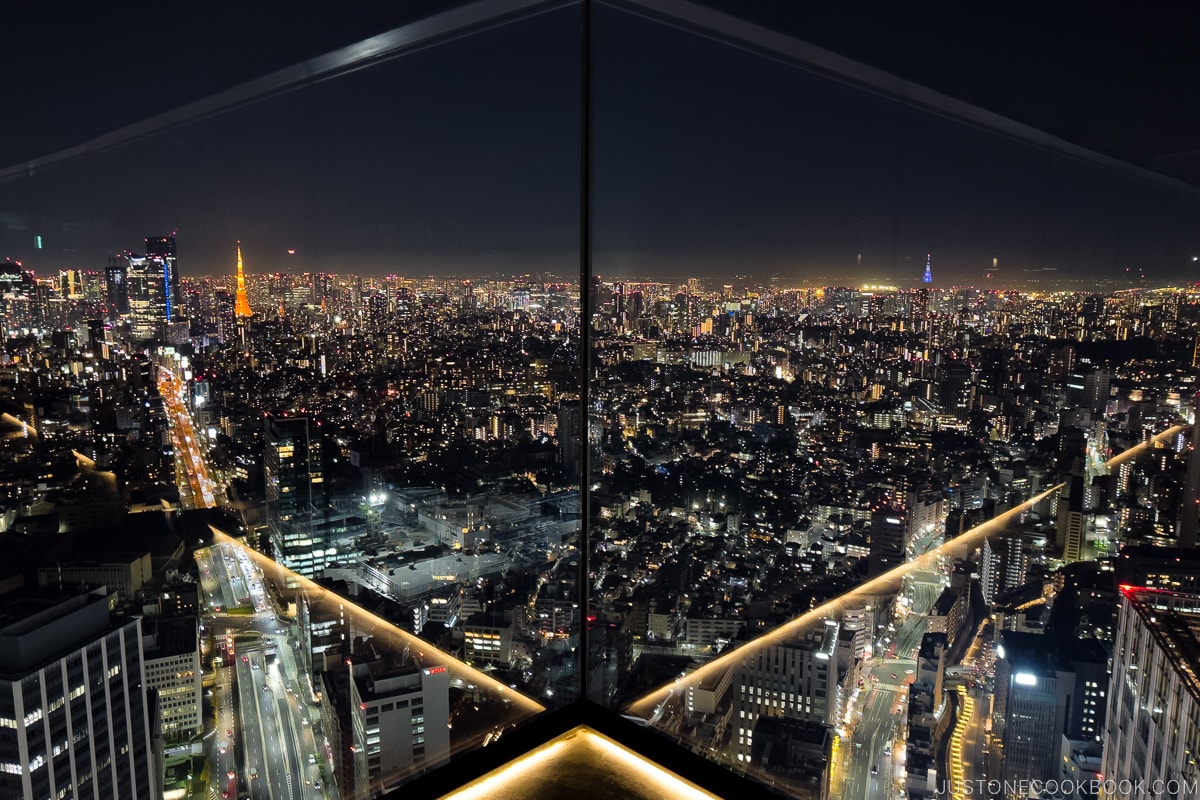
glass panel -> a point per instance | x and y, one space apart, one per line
859 356
335 318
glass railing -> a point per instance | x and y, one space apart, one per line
861 354
334 315
834 390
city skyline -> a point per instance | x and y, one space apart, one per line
706 157
806 427
761 462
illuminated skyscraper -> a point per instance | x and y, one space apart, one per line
398 717
1189 518
145 297
295 493
160 253
152 291
887 538
1030 711
74 716
1152 731
796 679
116 277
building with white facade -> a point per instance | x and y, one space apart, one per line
1152 731
74 719
796 679
172 669
400 723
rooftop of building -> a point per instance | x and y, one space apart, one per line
945 602
931 643
170 636
28 609
1026 652
38 625
1173 619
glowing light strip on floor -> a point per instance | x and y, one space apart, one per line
520 777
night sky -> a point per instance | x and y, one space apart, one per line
708 160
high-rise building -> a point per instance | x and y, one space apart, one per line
887 538
1097 389
152 283
1171 568
927 511
956 390
116 283
145 297
1003 566
1152 733
1030 711
398 723
1189 511
160 253
796 679
1070 531
1086 664
570 446
74 716
172 669
295 493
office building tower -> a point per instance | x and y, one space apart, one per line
222 320
797 679
398 723
1030 711
172 653
1070 533
160 253
927 511
152 282
1003 565
295 493
74 717
96 337
20 297
1189 513
570 445
146 298
1172 568
1085 663
949 613
887 537
116 284
989 571
1152 733
956 389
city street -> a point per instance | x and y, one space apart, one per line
264 722
196 489
873 766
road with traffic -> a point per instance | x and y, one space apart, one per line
196 487
268 748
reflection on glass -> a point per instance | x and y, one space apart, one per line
877 383
869 368
362 682
338 319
